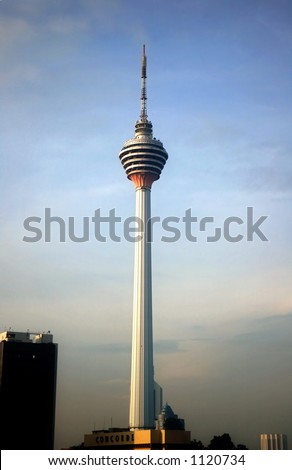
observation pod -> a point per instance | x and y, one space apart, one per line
143 157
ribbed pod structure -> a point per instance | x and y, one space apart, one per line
143 158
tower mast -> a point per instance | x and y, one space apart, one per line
143 114
143 158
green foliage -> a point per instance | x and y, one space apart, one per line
197 445
223 442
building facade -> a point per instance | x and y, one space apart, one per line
146 439
28 371
167 419
273 442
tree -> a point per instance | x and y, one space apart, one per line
197 445
223 442
241 447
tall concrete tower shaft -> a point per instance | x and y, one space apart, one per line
143 158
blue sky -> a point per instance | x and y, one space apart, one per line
219 98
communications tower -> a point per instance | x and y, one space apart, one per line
143 158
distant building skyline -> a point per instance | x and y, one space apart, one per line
274 442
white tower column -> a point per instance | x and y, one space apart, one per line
142 380
143 158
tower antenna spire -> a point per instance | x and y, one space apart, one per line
143 114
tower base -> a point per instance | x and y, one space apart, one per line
147 439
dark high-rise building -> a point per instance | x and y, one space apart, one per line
28 370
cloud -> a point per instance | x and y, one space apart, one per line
270 169
107 348
67 25
14 31
117 381
24 73
277 25
166 347
105 15
275 318
273 331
